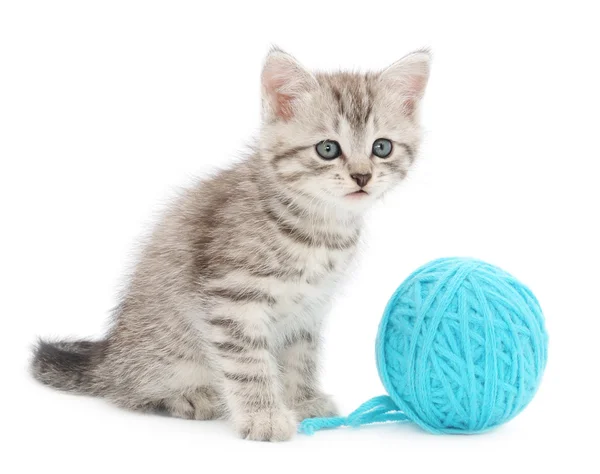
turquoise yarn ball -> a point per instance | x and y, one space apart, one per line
462 346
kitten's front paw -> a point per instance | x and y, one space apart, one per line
277 424
321 406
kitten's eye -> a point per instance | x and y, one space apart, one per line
328 149
382 147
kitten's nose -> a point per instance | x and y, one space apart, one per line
361 179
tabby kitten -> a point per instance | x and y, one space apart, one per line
223 314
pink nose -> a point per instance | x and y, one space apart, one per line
361 179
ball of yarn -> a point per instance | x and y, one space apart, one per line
462 346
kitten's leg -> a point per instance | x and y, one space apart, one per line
160 379
200 404
299 364
249 373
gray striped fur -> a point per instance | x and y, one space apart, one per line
223 314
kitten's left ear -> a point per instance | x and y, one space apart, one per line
284 81
406 79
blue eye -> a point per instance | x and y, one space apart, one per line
328 149
382 147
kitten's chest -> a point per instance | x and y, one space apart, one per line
320 271
319 266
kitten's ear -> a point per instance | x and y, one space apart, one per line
284 81
406 79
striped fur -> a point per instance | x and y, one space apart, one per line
223 314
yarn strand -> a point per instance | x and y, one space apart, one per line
380 409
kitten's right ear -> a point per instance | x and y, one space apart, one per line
284 81
406 79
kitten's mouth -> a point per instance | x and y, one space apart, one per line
357 194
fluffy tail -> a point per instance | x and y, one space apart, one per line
69 365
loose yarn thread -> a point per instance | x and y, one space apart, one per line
377 410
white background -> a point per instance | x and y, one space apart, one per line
107 107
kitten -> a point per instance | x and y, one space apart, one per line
222 316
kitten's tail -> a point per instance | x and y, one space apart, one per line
69 365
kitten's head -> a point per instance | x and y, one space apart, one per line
341 139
